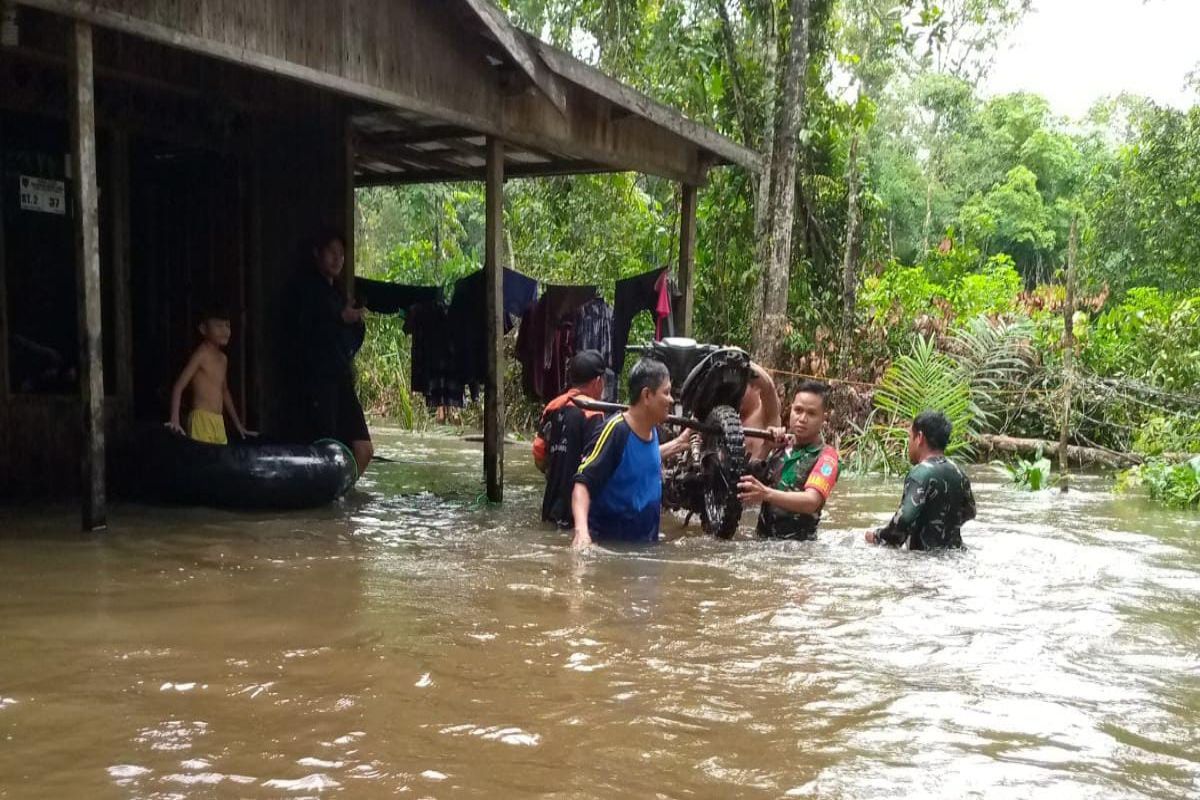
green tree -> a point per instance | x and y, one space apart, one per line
1145 204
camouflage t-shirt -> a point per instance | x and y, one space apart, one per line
813 466
937 501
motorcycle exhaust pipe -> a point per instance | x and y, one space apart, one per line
588 404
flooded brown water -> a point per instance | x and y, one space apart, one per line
414 642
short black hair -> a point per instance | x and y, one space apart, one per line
647 373
819 388
935 426
212 311
326 236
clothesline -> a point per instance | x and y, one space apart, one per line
448 342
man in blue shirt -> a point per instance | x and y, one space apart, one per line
618 488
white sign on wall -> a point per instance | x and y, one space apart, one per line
42 194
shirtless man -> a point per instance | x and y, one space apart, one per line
760 409
205 374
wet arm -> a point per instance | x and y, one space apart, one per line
594 472
769 410
676 445
804 501
181 383
581 503
904 521
231 410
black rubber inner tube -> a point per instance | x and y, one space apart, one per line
161 466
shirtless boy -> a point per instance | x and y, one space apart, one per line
205 374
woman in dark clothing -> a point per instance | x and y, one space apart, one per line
328 331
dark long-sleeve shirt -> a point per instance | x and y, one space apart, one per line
937 501
322 345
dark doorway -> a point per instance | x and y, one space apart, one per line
188 236
39 256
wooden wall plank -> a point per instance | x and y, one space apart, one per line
409 54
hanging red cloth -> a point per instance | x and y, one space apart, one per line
662 308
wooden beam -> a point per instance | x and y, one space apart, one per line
422 159
629 98
687 259
518 48
460 145
119 211
435 133
493 392
512 171
86 218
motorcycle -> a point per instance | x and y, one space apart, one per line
707 383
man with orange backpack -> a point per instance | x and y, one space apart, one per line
565 429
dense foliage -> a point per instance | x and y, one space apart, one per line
1176 485
966 204
1029 474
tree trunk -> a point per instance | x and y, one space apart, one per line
990 444
925 228
850 258
1068 357
735 72
762 188
768 336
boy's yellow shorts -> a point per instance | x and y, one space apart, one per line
205 426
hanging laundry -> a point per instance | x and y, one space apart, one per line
383 297
450 343
434 356
561 303
634 295
520 293
662 308
468 323
547 339
593 331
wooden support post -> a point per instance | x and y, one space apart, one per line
493 395
1068 360
119 211
687 259
241 247
256 325
85 213
348 203
6 466
4 341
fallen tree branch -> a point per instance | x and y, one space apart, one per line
991 444
1092 456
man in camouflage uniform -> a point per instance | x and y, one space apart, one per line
937 495
794 482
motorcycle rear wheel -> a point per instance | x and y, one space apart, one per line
724 461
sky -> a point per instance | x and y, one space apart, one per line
1073 52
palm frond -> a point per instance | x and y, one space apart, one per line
927 380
